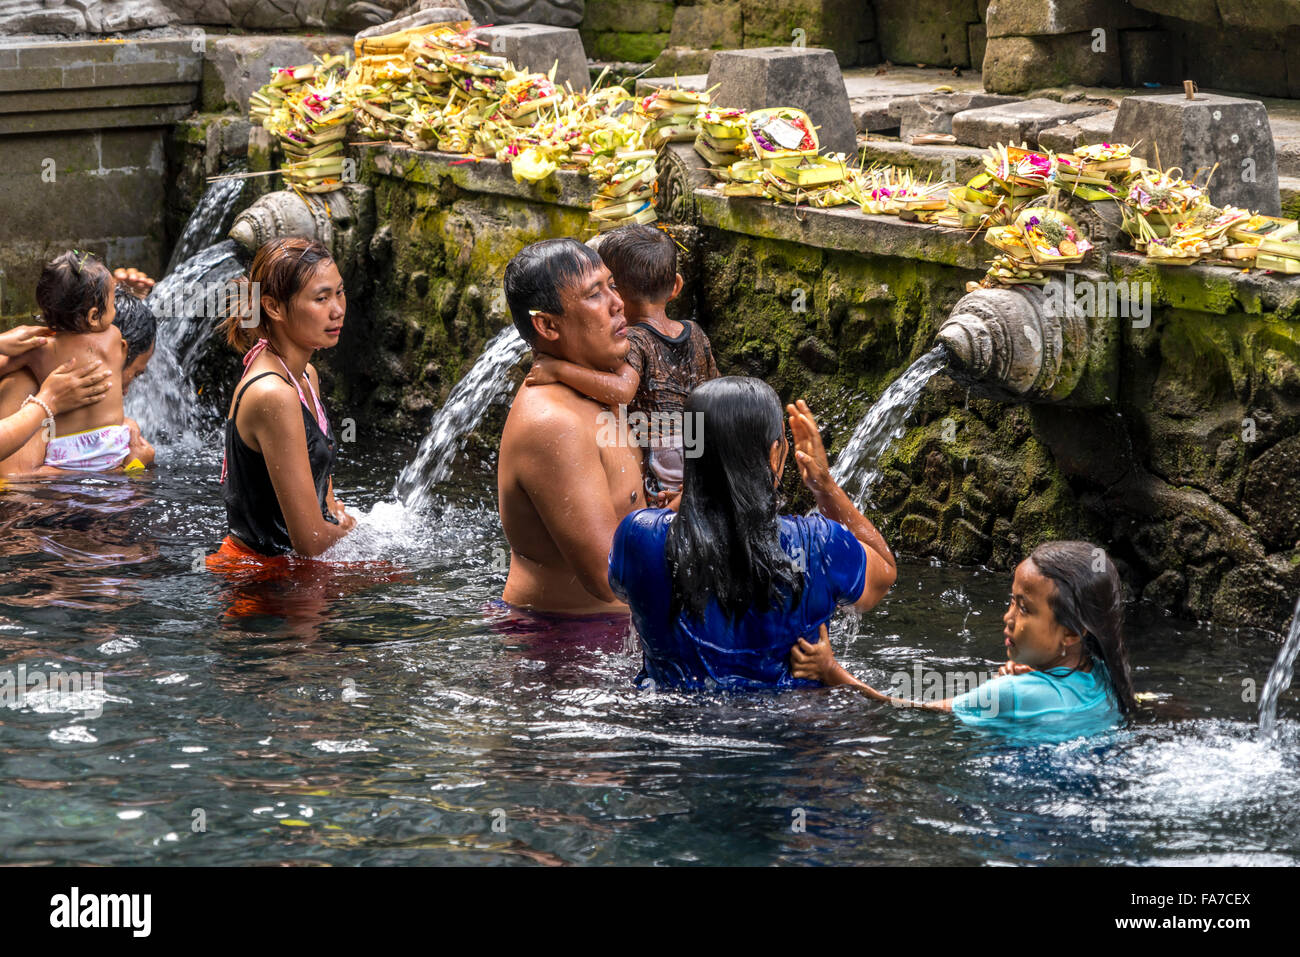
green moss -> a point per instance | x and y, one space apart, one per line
631 47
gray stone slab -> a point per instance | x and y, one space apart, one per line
94 119
536 47
1020 18
236 66
563 188
40 101
933 112
1015 122
841 228
1197 134
873 113
955 163
807 78
1090 129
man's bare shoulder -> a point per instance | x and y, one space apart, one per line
540 414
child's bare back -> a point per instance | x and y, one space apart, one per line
109 347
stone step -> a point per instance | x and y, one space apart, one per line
941 162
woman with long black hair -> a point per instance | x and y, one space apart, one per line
720 590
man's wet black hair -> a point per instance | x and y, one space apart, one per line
643 261
535 276
136 322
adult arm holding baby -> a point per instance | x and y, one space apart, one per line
27 407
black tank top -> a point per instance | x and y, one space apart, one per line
252 510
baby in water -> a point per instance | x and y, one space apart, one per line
75 293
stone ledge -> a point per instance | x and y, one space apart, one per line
564 188
843 228
27 55
1218 290
109 97
93 120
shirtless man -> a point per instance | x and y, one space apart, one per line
562 487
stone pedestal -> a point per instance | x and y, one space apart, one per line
535 46
806 78
1195 134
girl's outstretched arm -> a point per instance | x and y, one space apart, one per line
818 663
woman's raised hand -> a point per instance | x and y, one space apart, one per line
809 453
67 388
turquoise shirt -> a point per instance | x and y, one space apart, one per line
1052 705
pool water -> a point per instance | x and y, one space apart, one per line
376 711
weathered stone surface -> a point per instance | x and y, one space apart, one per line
1272 494
935 34
682 61
625 47
809 79
977 36
1081 132
1197 134
933 112
843 26
629 16
716 26
555 13
1267 15
1015 122
537 47
1019 64
1147 56
1008 18
1196 11
431 11
235 66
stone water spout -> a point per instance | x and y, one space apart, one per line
344 221
1016 344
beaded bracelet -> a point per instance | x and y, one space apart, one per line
38 401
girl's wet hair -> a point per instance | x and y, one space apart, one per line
1089 600
535 276
71 285
725 542
280 270
136 322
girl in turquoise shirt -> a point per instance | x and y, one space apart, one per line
1067 671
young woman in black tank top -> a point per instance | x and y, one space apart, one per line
277 477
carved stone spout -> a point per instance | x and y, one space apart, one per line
1015 343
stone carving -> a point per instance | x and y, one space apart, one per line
1008 340
343 220
555 13
681 172
112 16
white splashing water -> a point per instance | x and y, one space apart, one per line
857 468
471 397
1279 678
163 399
210 221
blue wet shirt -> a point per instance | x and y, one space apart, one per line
1055 704
754 650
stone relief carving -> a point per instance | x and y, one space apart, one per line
112 16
